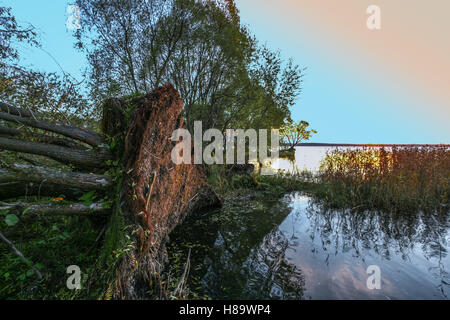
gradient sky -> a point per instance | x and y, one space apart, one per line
361 86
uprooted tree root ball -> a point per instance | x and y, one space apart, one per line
148 195
157 194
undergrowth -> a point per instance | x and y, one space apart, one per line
49 244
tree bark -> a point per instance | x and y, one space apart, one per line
12 190
26 173
92 138
80 158
4 107
76 209
11 132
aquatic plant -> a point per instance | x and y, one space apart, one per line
393 179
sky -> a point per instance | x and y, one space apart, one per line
390 85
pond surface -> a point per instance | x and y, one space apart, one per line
258 248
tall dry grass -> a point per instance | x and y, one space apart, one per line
392 179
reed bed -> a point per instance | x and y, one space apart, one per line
390 179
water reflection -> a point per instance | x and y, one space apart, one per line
410 249
248 260
293 249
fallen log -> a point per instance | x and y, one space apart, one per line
75 209
12 132
30 161
92 138
27 173
80 158
13 190
4 107
7 175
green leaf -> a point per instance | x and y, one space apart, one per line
112 145
11 220
107 205
65 235
88 197
39 266
26 210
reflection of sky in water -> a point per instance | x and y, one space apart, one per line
334 258
257 248
295 250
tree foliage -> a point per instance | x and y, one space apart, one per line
296 132
57 96
11 33
225 78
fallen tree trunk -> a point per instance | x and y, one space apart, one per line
13 190
30 161
11 132
4 107
7 175
76 209
27 173
92 138
80 158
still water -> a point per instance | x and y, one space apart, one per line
306 158
258 248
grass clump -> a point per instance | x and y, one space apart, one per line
270 186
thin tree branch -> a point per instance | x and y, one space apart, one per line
21 256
